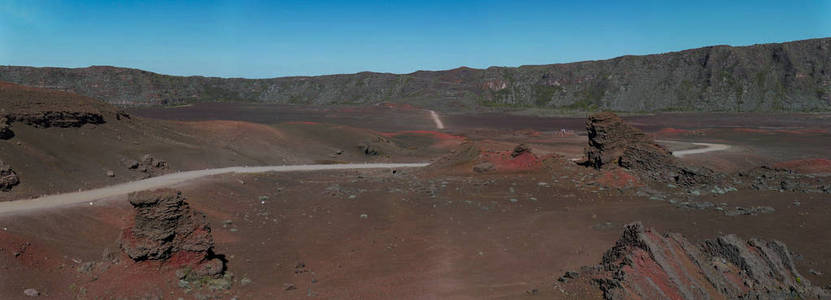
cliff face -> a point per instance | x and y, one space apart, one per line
793 76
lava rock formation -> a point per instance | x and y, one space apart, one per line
614 143
165 228
644 264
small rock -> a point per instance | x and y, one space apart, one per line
131 164
483 167
245 281
86 267
147 160
290 286
31 292
364 216
110 173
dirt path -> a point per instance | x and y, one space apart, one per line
435 116
708 147
171 179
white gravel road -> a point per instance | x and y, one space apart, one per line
51 201
708 147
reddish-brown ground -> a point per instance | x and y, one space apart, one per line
440 233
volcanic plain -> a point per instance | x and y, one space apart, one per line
510 206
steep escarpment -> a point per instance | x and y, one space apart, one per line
794 76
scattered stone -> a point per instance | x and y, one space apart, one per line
131 164
483 167
160 164
245 281
368 149
5 130
147 160
31 292
86 267
569 275
520 149
752 211
8 178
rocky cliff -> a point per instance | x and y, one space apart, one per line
793 76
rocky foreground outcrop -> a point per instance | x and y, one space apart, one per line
615 144
645 264
166 229
8 178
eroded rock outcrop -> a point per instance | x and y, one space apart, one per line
165 228
8 178
613 143
645 264
48 108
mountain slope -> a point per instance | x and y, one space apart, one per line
793 76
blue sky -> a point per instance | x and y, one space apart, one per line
259 39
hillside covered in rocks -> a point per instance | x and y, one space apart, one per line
793 76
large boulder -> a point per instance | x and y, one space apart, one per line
615 144
165 227
8 178
645 264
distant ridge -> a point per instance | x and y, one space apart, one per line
792 76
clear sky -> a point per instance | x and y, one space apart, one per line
259 39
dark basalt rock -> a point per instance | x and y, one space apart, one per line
63 119
645 264
8 178
165 227
520 149
615 144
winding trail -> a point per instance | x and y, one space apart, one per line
708 147
435 116
172 179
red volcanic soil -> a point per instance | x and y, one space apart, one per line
503 160
617 178
379 235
